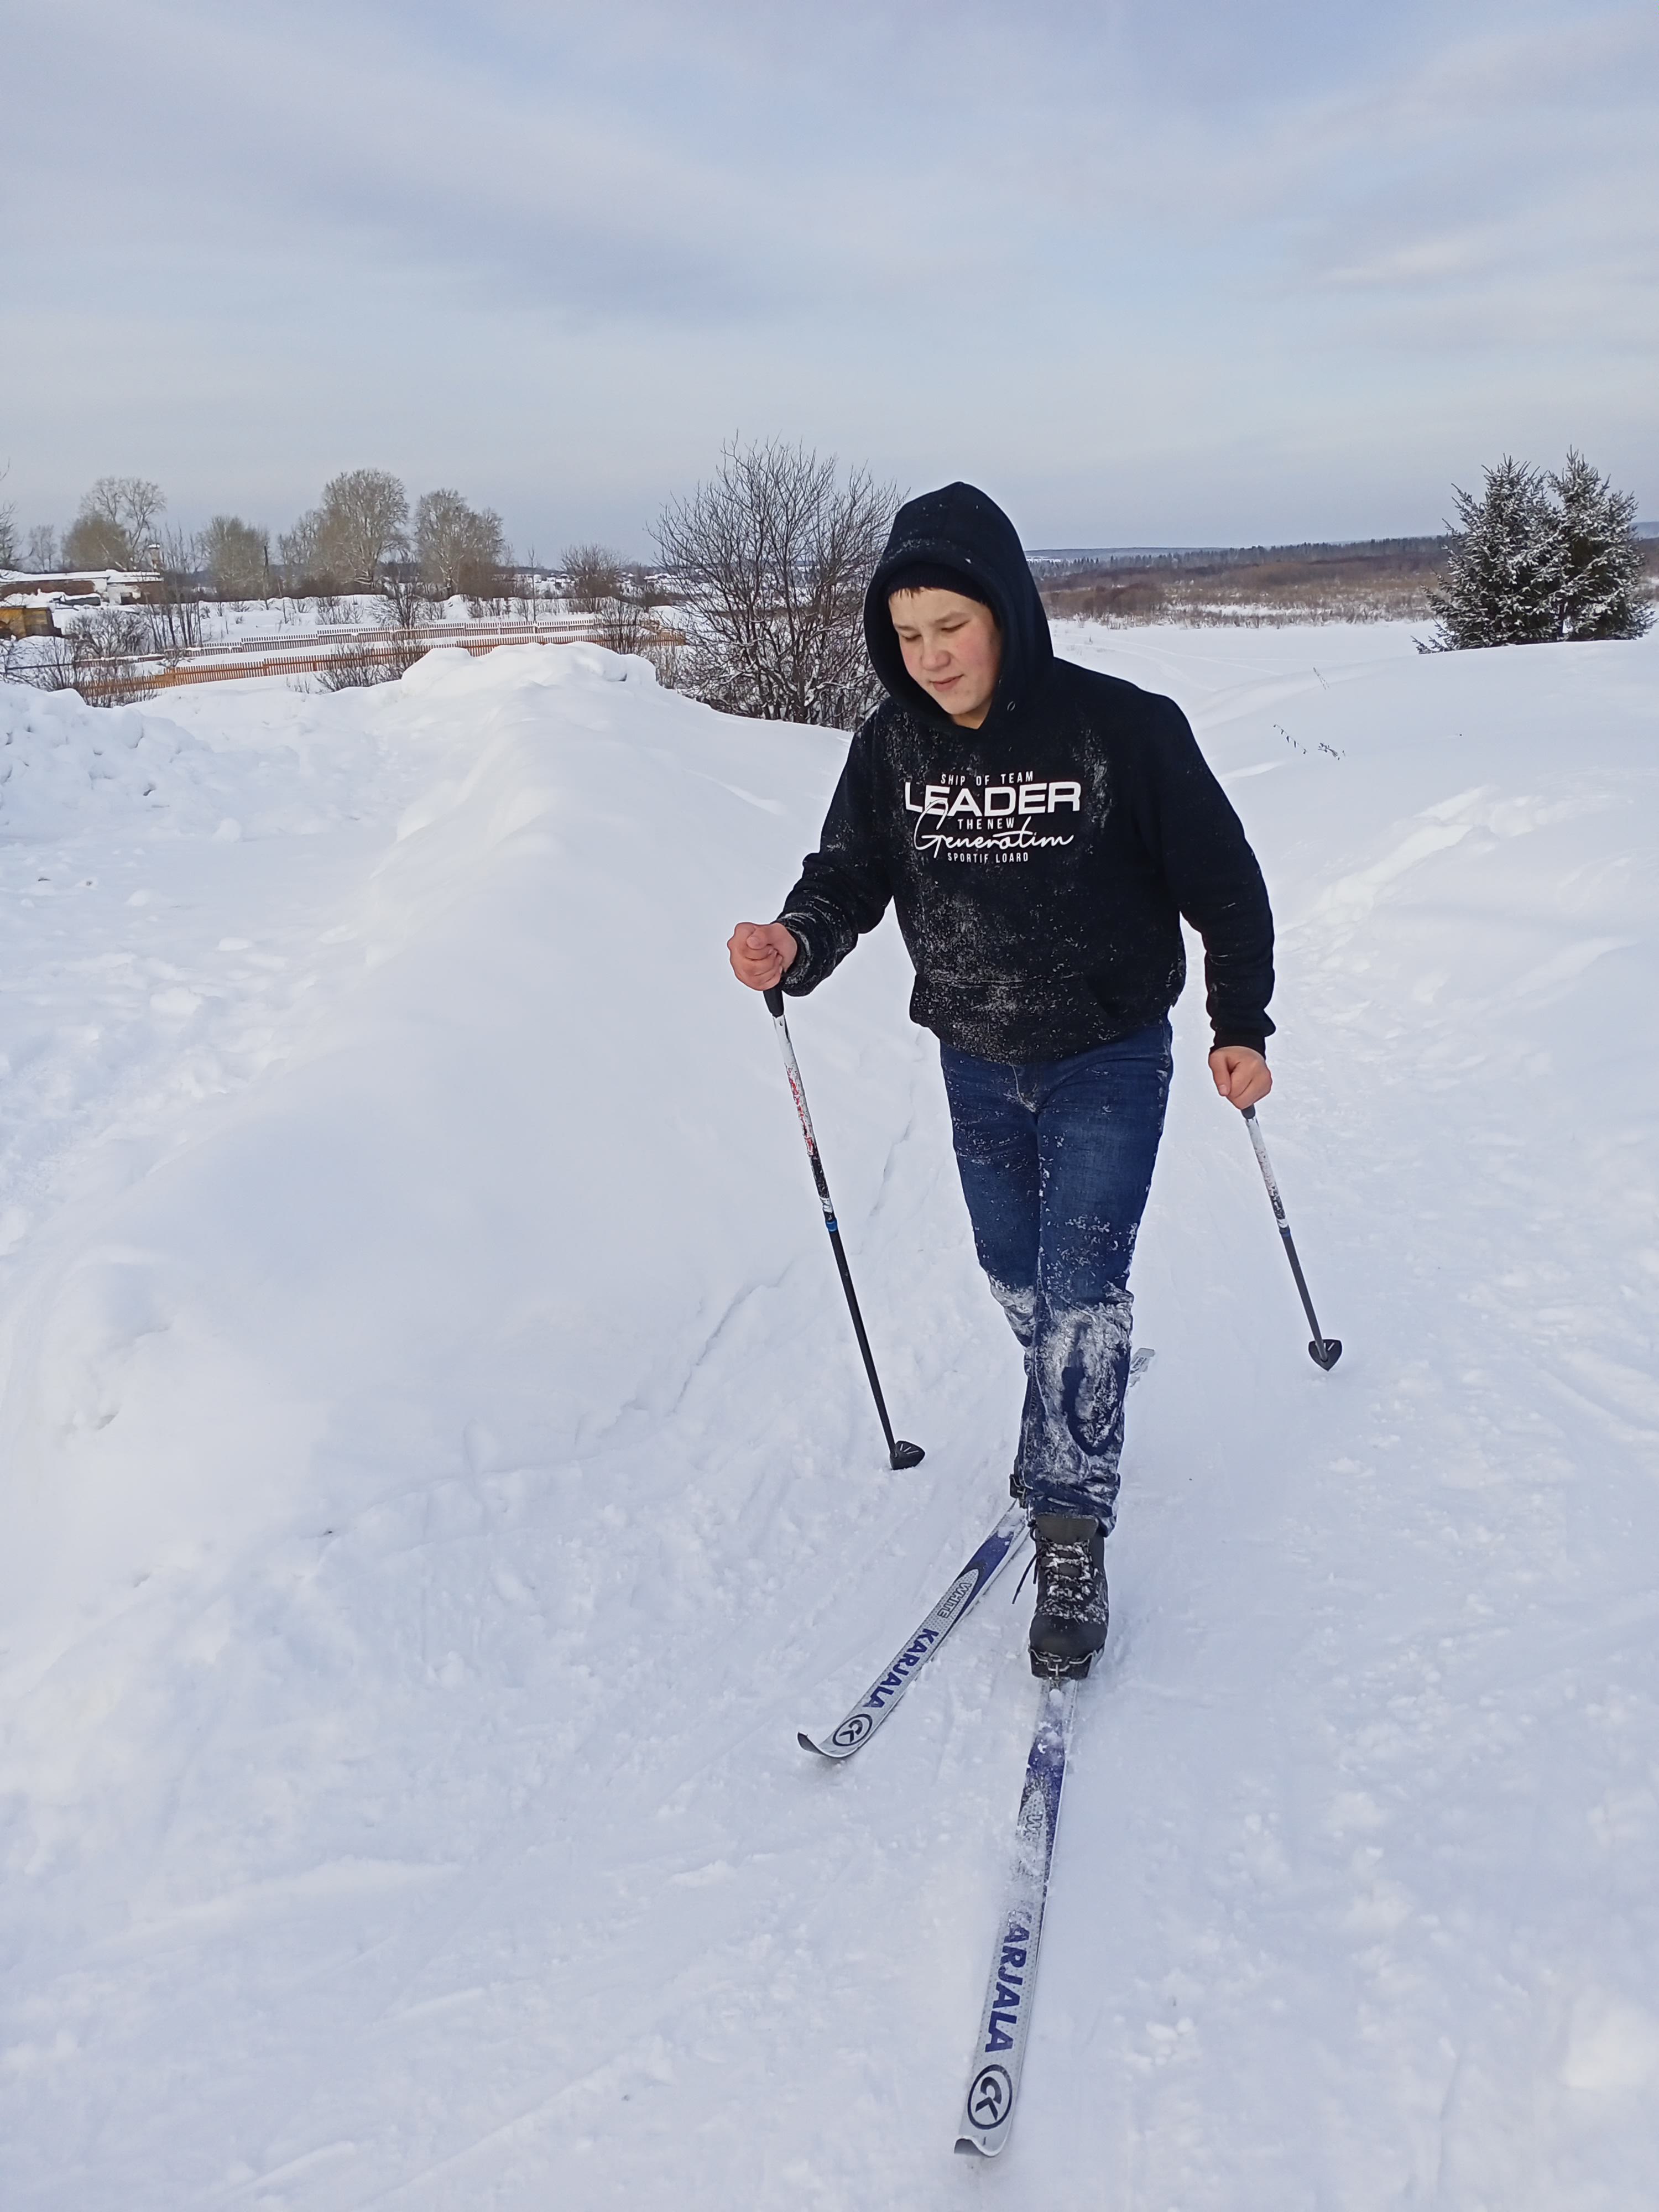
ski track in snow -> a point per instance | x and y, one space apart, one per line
439 1480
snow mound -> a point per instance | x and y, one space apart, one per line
439 1481
62 761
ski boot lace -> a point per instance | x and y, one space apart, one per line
1062 1587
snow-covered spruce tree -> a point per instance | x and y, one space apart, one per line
1503 579
1602 591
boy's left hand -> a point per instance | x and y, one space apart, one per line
1240 1076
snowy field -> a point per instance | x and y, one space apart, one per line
438 1480
232 623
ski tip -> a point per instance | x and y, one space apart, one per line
967 2147
1325 1352
905 1455
807 1744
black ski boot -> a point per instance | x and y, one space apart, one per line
1069 1624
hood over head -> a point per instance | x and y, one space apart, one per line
959 530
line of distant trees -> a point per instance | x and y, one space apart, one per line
363 531
767 562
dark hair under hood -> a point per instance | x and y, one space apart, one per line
959 529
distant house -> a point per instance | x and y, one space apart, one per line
26 619
109 587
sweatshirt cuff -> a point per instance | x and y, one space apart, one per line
798 977
1254 1039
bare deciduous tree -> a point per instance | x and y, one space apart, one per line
40 554
406 599
300 556
175 613
134 502
771 558
618 594
625 623
101 656
360 523
92 541
237 555
354 667
593 574
460 548
528 599
8 548
116 525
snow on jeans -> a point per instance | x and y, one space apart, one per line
1056 1159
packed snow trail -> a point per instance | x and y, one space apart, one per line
439 1481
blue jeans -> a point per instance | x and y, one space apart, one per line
1056 1160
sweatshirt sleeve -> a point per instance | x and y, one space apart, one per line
1189 825
844 886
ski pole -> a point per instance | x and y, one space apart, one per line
899 1453
1324 1350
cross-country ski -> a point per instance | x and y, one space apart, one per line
878 1702
439 1471
987 2111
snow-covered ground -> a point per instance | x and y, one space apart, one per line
238 623
281 621
438 1481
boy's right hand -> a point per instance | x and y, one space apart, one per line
762 952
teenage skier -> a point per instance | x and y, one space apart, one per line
1041 829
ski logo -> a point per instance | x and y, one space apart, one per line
906 1664
1002 2022
879 1701
955 1598
990 2097
858 1725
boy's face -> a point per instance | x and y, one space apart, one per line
952 647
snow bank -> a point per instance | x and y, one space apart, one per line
62 763
439 1483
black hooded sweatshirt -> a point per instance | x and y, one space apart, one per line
1040 864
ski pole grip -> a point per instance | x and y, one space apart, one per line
775 1002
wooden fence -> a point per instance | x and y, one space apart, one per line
141 676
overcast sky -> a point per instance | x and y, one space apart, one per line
1160 271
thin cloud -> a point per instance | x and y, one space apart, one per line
1135 260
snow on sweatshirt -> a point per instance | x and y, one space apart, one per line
1039 865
